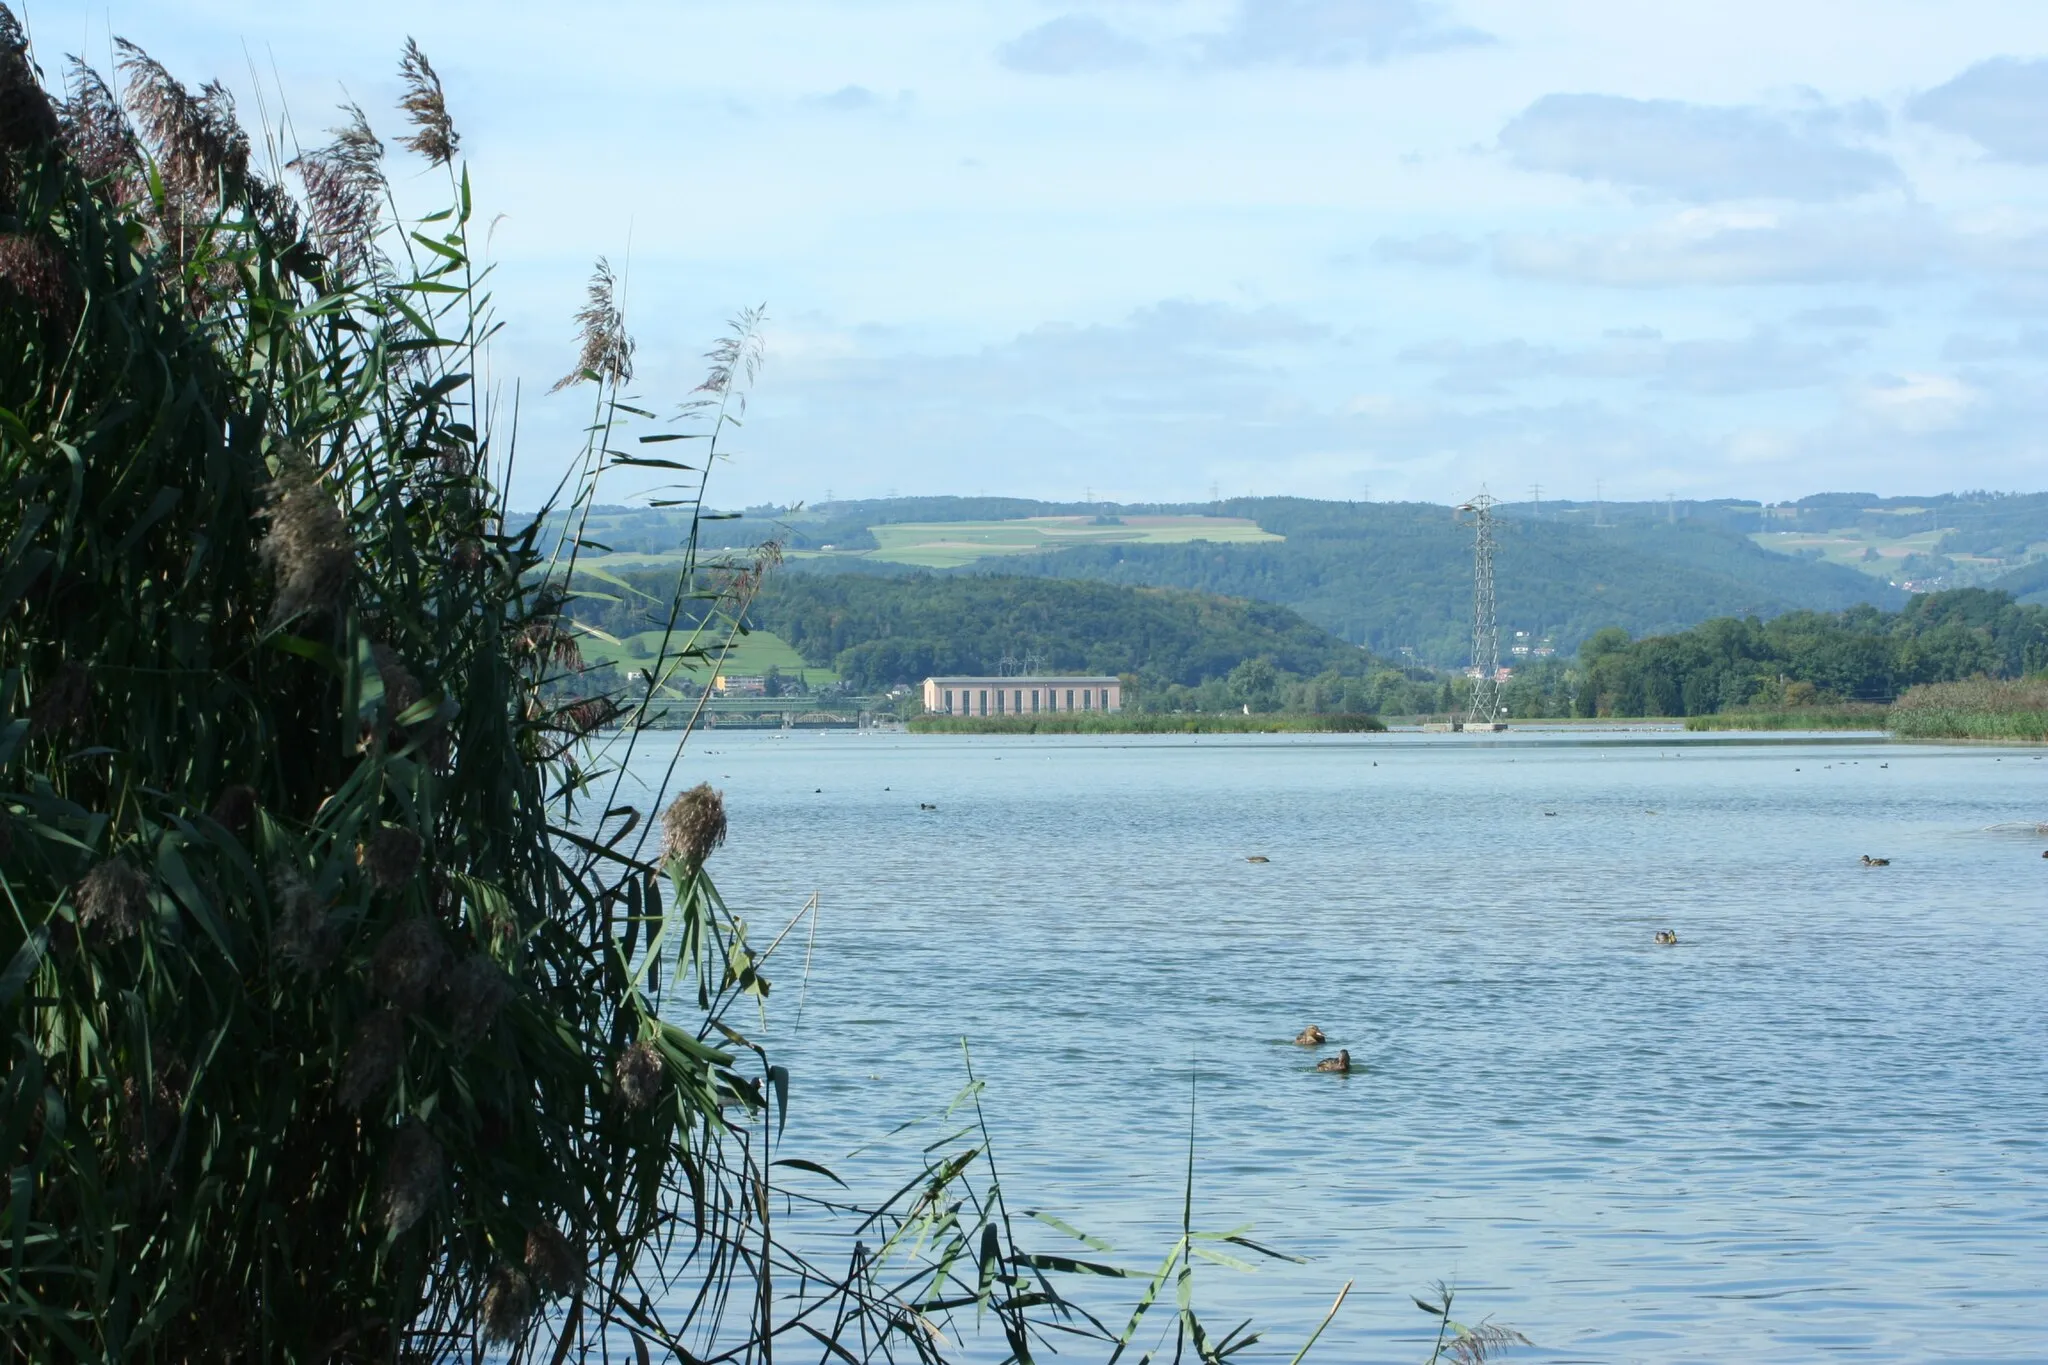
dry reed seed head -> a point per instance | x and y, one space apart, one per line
112 899
605 352
426 106
236 809
307 547
26 118
373 1058
302 935
552 1261
98 134
33 272
580 718
345 195
392 858
200 149
64 702
407 964
477 991
639 1072
507 1306
693 825
401 688
412 1178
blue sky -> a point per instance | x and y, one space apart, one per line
1340 248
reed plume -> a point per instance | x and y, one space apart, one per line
693 825
426 106
412 1178
113 899
606 353
307 548
345 189
98 135
407 963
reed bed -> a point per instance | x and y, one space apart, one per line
1852 716
1978 709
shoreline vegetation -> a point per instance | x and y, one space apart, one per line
1980 709
1145 723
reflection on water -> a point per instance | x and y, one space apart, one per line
1815 1126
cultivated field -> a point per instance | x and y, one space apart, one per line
945 545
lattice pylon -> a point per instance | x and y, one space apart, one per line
1485 707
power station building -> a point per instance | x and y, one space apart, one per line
1020 696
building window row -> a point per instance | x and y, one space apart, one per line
1011 701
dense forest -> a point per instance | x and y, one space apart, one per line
1812 657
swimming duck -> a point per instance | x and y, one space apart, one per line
1869 861
1258 858
926 805
1667 937
1310 1037
1341 1063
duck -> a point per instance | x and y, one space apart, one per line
1869 861
1341 1063
1311 1037
1258 858
926 805
1667 937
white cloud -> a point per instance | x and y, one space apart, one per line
1672 149
1334 32
1709 247
1070 45
2001 105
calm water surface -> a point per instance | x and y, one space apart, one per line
1817 1128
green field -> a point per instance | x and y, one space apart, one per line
948 544
1878 555
751 655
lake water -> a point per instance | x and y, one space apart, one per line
1816 1128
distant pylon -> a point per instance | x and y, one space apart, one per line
1485 707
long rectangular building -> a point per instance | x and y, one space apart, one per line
1020 696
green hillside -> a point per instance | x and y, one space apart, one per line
1396 577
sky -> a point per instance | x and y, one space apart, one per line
1142 250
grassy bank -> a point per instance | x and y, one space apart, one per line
1980 709
1137 723
1849 716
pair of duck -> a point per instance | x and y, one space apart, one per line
1315 1037
1667 937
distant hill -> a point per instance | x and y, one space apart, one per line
1396 577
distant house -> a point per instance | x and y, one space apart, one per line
968 696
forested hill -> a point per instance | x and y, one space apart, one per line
880 630
1858 655
1395 575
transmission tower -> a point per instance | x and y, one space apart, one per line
1485 708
